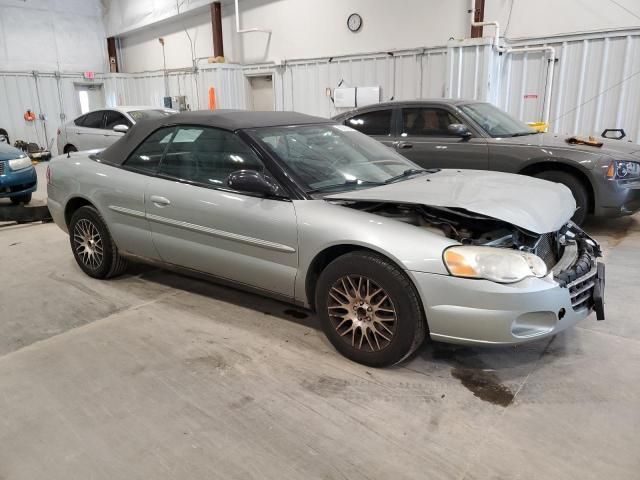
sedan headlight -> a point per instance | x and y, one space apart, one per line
19 163
623 170
495 264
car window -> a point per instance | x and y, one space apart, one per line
146 157
372 123
113 118
425 122
93 119
207 156
139 115
80 120
496 122
327 156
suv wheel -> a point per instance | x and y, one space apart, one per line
92 245
577 188
369 309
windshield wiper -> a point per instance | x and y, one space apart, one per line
347 183
409 173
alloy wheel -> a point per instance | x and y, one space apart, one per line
362 313
88 243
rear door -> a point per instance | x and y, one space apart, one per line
425 139
89 134
198 222
111 119
377 123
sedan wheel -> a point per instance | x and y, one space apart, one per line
362 313
93 248
88 243
369 309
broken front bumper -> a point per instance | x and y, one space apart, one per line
482 312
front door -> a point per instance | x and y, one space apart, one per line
425 139
111 119
199 223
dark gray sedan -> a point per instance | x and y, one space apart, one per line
604 180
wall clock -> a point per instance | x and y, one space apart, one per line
354 22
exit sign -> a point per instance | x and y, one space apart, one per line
89 75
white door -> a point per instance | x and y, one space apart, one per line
261 93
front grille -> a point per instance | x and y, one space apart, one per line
581 290
2 168
546 249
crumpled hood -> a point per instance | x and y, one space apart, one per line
610 147
530 203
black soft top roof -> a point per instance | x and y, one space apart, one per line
231 120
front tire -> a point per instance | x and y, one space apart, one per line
92 245
22 199
369 309
577 188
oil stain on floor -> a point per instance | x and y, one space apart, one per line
474 374
484 385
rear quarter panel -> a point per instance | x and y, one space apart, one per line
105 187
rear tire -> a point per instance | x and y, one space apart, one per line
369 309
92 245
22 199
577 188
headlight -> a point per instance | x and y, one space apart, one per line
19 163
495 264
623 170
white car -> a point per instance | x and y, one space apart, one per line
101 128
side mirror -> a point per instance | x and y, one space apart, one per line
459 130
251 181
121 128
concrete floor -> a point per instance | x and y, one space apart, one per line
154 375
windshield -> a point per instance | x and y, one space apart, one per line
496 122
335 157
139 115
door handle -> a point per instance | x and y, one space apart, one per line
159 201
403 145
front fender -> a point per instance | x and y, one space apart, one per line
322 225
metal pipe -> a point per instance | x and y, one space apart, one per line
246 30
216 27
496 42
546 106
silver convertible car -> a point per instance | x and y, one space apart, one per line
320 215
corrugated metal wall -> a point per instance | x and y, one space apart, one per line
302 85
44 93
149 88
596 84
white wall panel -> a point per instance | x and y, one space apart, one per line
596 85
49 35
596 81
52 97
149 88
301 86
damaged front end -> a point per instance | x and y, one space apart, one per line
569 254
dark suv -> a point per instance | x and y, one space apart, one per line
605 180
